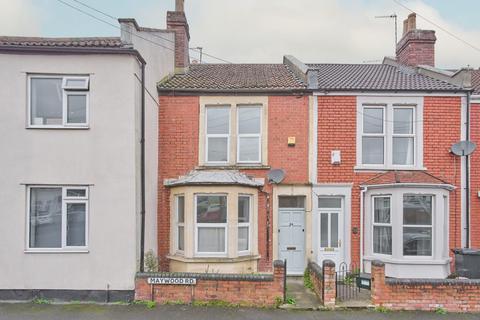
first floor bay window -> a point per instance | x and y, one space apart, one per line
211 224
57 217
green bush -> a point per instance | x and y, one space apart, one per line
307 280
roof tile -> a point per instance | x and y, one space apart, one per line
86 42
406 177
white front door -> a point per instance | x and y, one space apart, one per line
331 238
291 239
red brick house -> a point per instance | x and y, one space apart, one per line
346 162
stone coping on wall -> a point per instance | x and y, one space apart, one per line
209 276
433 282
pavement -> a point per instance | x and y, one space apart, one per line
23 311
304 298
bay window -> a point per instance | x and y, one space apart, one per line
58 101
244 223
211 224
417 225
382 225
57 217
180 217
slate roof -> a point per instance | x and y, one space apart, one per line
375 77
209 177
476 81
84 42
404 177
234 77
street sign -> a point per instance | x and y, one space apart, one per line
178 281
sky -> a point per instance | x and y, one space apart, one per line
258 31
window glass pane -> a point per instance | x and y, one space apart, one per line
417 210
329 202
218 149
402 121
243 209
242 238
218 120
382 239
373 120
76 108
181 209
249 149
211 239
46 101
249 120
324 230
181 237
334 230
77 83
211 209
76 224
79 193
417 241
402 150
381 209
291 202
45 218
372 150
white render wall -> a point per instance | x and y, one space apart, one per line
103 156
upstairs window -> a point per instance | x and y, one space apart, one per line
218 134
58 101
249 134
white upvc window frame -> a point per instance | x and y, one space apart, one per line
66 91
391 102
65 201
246 224
179 224
217 135
431 226
404 135
374 135
379 224
211 225
249 135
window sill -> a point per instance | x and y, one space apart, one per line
56 251
213 259
233 167
409 260
377 168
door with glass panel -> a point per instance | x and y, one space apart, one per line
331 220
291 233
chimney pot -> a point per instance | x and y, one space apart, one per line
180 5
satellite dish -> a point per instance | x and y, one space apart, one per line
276 175
463 148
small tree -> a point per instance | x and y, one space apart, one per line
151 262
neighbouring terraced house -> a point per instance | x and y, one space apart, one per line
233 167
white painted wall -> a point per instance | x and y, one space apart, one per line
102 156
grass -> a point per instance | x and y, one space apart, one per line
440 310
149 304
291 300
307 280
215 303
38 300
382 309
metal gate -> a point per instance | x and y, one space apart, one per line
346 282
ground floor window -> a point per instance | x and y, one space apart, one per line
57 217
211 223
382 228
244 208
417 225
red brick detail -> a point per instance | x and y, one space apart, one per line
475 177
177 22
453 296
243 292
324 282
337 131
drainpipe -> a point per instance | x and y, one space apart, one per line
142 171
362 201
267 208
467 178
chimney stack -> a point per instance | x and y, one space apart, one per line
177 22
416 47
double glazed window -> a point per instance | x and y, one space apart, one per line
388 135
244 205
417 225
382 225
58 101
57 217
219 131
180 217
211 224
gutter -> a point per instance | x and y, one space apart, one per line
70 50
142 171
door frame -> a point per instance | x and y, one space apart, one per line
304 264
333 190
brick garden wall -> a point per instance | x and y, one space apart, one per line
323 280
424 294
337 131
249 290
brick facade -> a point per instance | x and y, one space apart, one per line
178 154
424 294
337 131
475 177
248 290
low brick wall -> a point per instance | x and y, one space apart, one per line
424 294
323 280
243 289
